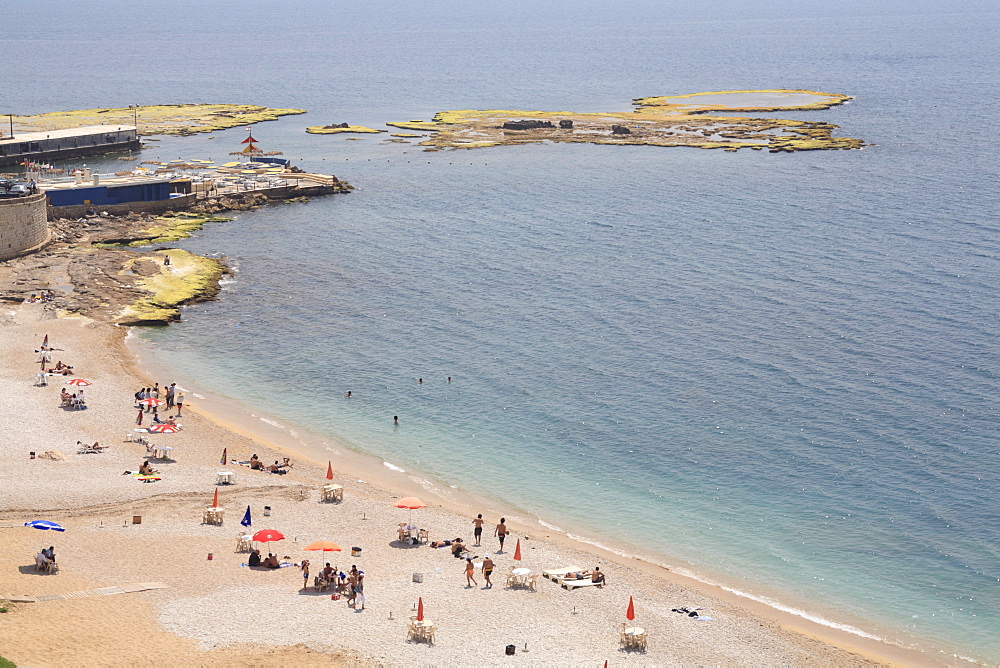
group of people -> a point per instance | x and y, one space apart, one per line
45 557
172 396
44 296
255 560
277 468
73 400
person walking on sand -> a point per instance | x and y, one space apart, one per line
470 574
478 531
305 574
501 532
180 402
487 571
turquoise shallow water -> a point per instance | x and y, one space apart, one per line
781 369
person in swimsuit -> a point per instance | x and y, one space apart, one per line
487 570
305 573
478 531
470 574
501 532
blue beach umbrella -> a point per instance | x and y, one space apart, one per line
246 518
44 524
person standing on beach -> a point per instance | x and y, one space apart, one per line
501 532
470 573
171 390
305 574
361 591
180 402
478 531
487 571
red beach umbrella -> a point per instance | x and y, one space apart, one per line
45 341
630 613
420 609
78 381
267 535
324 545
138 420
152 401
329 470
517 551
215 499
164 429
224 458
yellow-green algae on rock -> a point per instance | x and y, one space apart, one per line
686 120
157 119
188 278
333 129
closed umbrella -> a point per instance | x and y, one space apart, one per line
215 499
268 535
246 518
45 525
630 613
420 609
329 470
223 462
517 551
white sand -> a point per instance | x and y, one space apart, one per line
215 611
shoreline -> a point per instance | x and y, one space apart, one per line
302 443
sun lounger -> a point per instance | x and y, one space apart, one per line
573 584
556 573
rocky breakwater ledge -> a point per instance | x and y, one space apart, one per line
119 268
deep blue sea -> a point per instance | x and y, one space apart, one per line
779 371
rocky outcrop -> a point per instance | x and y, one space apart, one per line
566 124
620 130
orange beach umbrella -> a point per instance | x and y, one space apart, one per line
420 609
329 470
630 613
517 551
411 503
215 499
324 545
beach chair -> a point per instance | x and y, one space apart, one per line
531 582
512 581
571 584
623 640
556 573
423 536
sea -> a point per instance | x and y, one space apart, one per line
774 372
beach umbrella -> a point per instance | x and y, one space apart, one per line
78 381
223 462
630 613
147 478
329 470
164 429
44 525
152 401
420 609
517 551
324 545
246 518
215 499
45 341
138 420
267 535
411 503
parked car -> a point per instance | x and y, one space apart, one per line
19 190
5 185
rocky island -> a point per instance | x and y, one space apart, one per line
695 120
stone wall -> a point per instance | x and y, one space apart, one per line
80 210
23 225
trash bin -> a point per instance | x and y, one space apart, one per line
418 577
137 519
510 650
267 511
355 551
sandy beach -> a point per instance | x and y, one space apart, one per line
219 612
